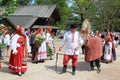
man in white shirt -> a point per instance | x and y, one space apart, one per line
73 41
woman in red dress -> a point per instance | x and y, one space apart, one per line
19 50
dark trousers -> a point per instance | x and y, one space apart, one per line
102 57
114 54
32 47
83 49
34 52
97 63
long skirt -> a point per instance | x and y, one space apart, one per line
108 57
42 52
16 62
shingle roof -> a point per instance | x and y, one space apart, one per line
24 20
37 11
27 15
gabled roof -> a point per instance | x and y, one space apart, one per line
23 20
36 11
27 15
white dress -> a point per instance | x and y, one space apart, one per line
42 51
50 44
108 52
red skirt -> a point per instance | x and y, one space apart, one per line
16 62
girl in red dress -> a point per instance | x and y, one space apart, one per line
19 50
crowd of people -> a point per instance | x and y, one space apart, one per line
95 46
40 44
20 44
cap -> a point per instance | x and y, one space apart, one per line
73 26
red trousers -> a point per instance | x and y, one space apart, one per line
68 57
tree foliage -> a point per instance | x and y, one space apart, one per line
101 13
83 9
108 14
63 8
9 6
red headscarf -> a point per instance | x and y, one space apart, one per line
39 31
111 35
49 30
19 31
108 39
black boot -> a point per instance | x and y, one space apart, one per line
73 70
64 69
98 69
92 65
92 68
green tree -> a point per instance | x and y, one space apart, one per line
108 14
63 8
101 13
84 9
9 6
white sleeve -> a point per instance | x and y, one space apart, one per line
50 39
63 40
14 43
110 45
8 39
47 37
28 44
81 41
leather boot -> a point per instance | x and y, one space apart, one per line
98 69
73 70
64 69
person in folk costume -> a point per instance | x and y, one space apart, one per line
19 51
93 46
85 29
108 50
116 40
113 45
41 55
32 41
36 45
73 42
103 49
49 42
2 29
6 42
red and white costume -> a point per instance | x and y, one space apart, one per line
19 45
72 41
42 50
108 50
